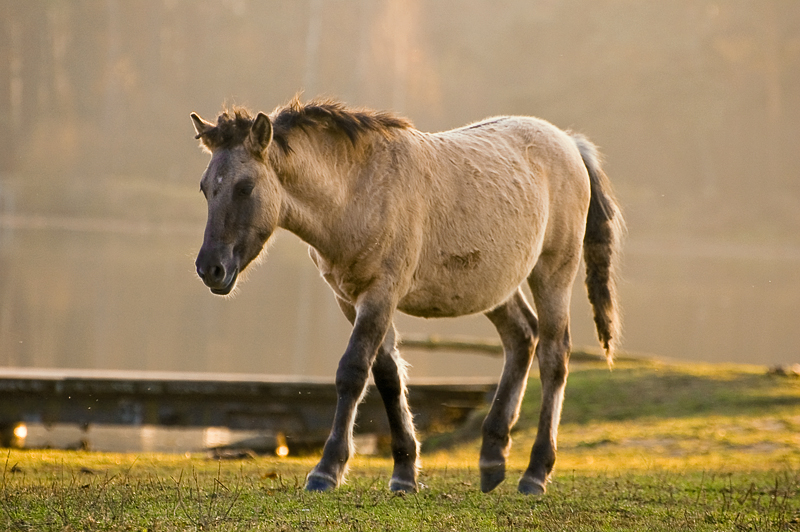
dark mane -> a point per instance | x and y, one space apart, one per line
233 125
333 114
232 128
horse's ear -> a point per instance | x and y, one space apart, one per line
200 125
260 133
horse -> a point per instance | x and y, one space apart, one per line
433 225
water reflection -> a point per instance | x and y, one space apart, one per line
131 439
111 300
215 441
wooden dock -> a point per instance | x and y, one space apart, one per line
300 409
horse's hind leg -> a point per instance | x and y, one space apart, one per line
551 285
389 374
517 326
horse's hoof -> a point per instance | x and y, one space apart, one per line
397 485
492 476
319 482
530 486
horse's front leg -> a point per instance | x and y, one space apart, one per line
372 321
389 372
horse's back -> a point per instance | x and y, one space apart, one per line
522 153
495 193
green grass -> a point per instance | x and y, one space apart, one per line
647 446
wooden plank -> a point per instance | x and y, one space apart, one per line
302 409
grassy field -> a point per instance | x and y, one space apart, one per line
647 446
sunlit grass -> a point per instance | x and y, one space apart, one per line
643 447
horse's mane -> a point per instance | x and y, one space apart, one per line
234 124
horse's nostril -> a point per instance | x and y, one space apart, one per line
212 274
217 273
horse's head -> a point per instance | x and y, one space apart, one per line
243 195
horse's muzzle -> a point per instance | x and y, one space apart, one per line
219 279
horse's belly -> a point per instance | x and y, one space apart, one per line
452 293
435 304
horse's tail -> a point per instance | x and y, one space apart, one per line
601 247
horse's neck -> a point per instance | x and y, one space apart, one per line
316 185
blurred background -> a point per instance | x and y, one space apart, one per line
695 104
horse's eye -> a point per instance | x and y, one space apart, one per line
244 190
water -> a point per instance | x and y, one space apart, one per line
713 302
121 300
